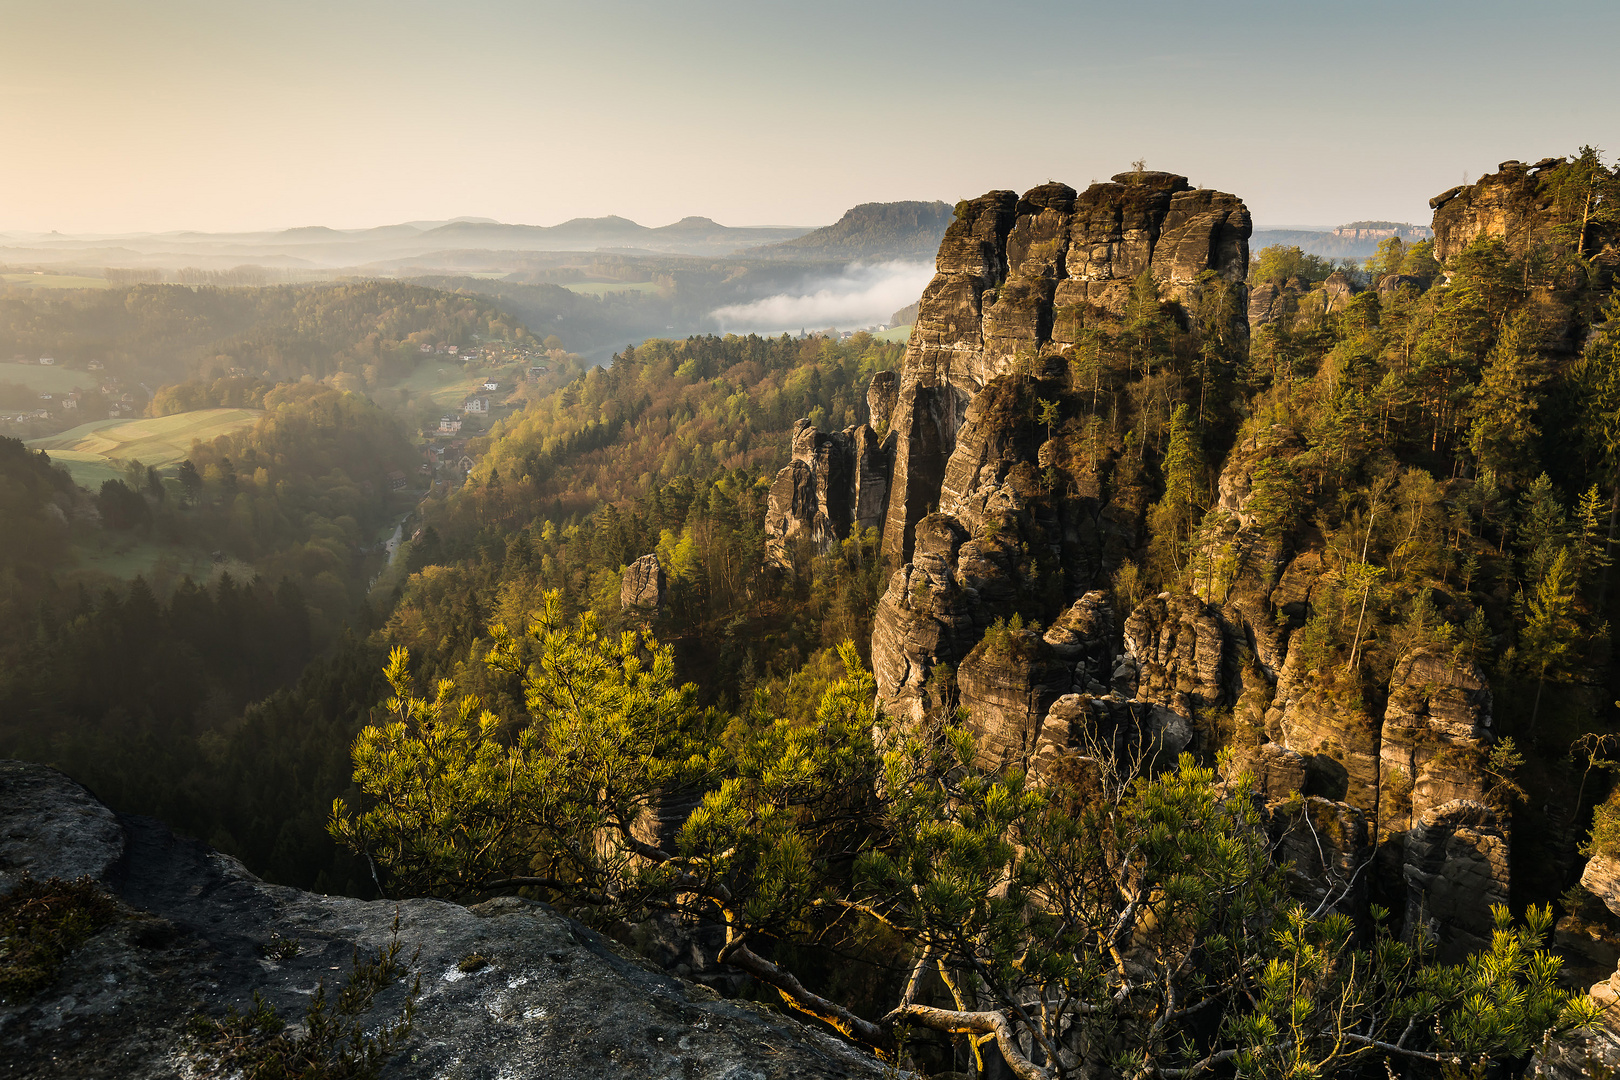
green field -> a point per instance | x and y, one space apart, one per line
449 384
895 333
160 564
597 288
47 380
90 450
53 281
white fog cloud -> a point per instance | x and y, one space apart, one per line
862 294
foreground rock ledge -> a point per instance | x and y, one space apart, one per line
554 1001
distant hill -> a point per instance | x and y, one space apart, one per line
897 230
1322 244
689 236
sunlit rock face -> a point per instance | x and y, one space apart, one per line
1003 530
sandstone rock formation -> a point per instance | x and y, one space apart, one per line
550 999
1013 276
837 482
1456 869
1436 735
1004 532
1594 1053
643 585
1510 204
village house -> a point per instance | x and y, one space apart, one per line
492 385
396 481
96 365
71 401
466 463
449 424
476 405
47 360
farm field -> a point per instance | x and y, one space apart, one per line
47 380
448 384
89 451
160 564
597 288
53 281
895 333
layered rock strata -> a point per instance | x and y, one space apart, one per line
1519 205
837 482
1019 490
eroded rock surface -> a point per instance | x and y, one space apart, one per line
52 827
1456 870
643 586
837 482
551 1000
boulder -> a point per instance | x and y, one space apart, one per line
642 588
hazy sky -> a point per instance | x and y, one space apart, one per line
217 114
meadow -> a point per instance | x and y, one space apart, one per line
47 380
53 281
91 452
447 383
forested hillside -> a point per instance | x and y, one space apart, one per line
169 333
1349 547
1202 658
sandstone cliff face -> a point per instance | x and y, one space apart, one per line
1456 869
553 999
981 518
1510 205
1012 274
1436 736
837 482
1004 533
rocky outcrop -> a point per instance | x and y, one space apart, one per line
1007 684
1435 738
546 997
1511 205
1337 291
837 482
52 827
1019 487
1455 869
982 518
1179 653
1014 279
1079 733
1597 1052
1083 637
642 588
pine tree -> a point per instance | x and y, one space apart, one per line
1504 431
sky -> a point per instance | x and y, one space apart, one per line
222 115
